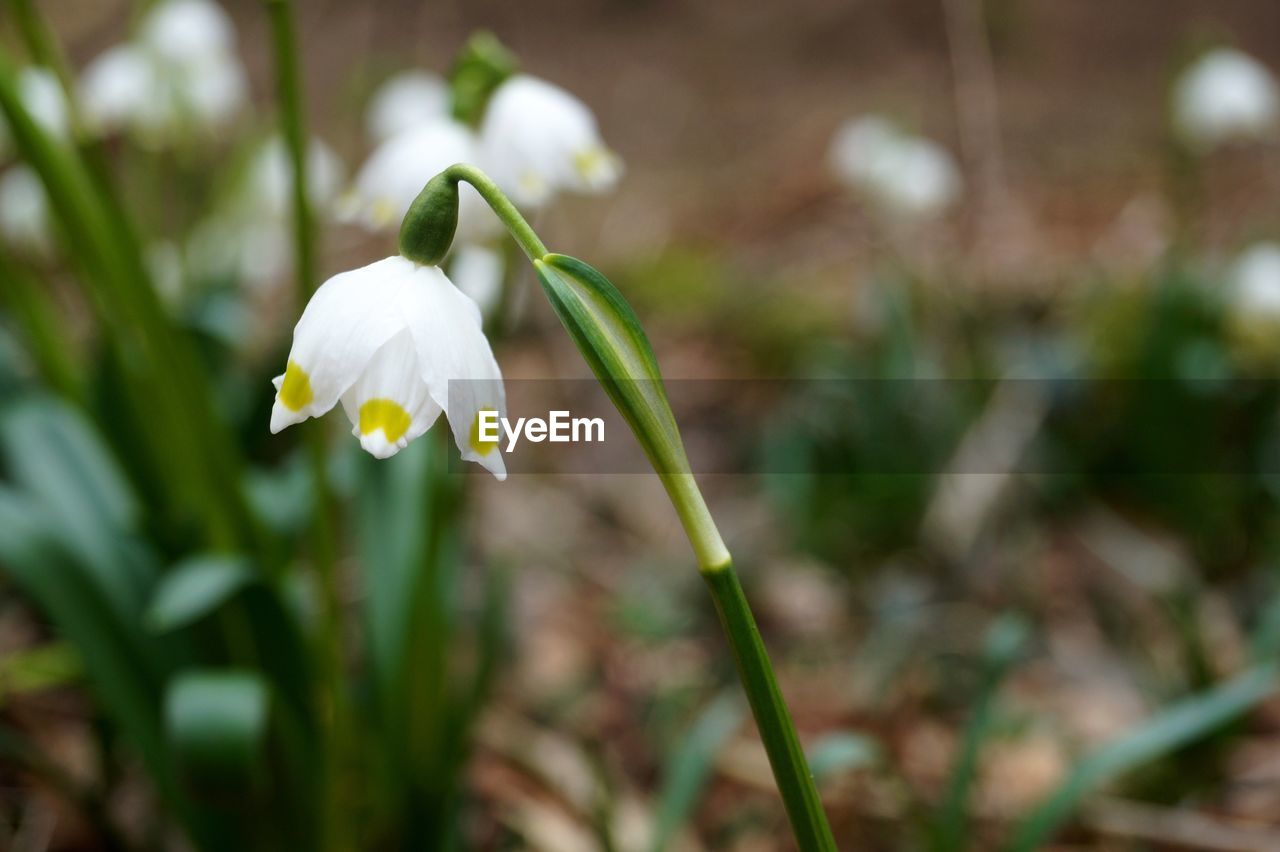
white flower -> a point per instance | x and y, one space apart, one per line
42 97
117 89
269 182
477 271
1255 283
187 32
906 175
258 252
180 78
398 169
1225 96
397 344
403 101
24 210
210 93
537 139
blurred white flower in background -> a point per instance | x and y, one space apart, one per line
406 100
24 211
180 77
268 185
118 89
399 168
477 271
251 238
186 32
1225 96
905 175
536 140
1255 283
42 96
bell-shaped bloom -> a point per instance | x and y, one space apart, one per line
906 176
1225 96
397 344
536 140
187 32
24 211
1255 283
404 101
118 89
396 171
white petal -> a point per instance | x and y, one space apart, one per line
116 88
24 210
477 271
346 322
212 91
1225 95
457 363
1256 282
183 31
397 170
389 404
44 99
404 101
268 189
537 139
907 176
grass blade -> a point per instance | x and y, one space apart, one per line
1185 722
690 763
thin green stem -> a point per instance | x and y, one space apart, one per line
777 731
502 206
38 318
45 51
293 123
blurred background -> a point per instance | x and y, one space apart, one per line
991 287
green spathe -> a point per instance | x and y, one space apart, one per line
428 228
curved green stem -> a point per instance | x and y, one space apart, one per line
502 206
777 731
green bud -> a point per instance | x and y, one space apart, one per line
481 67
427 230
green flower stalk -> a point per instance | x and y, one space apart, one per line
610 338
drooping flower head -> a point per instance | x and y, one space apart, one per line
187 32
537 140
405 101
395 173
907 176
397 344
1225 96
